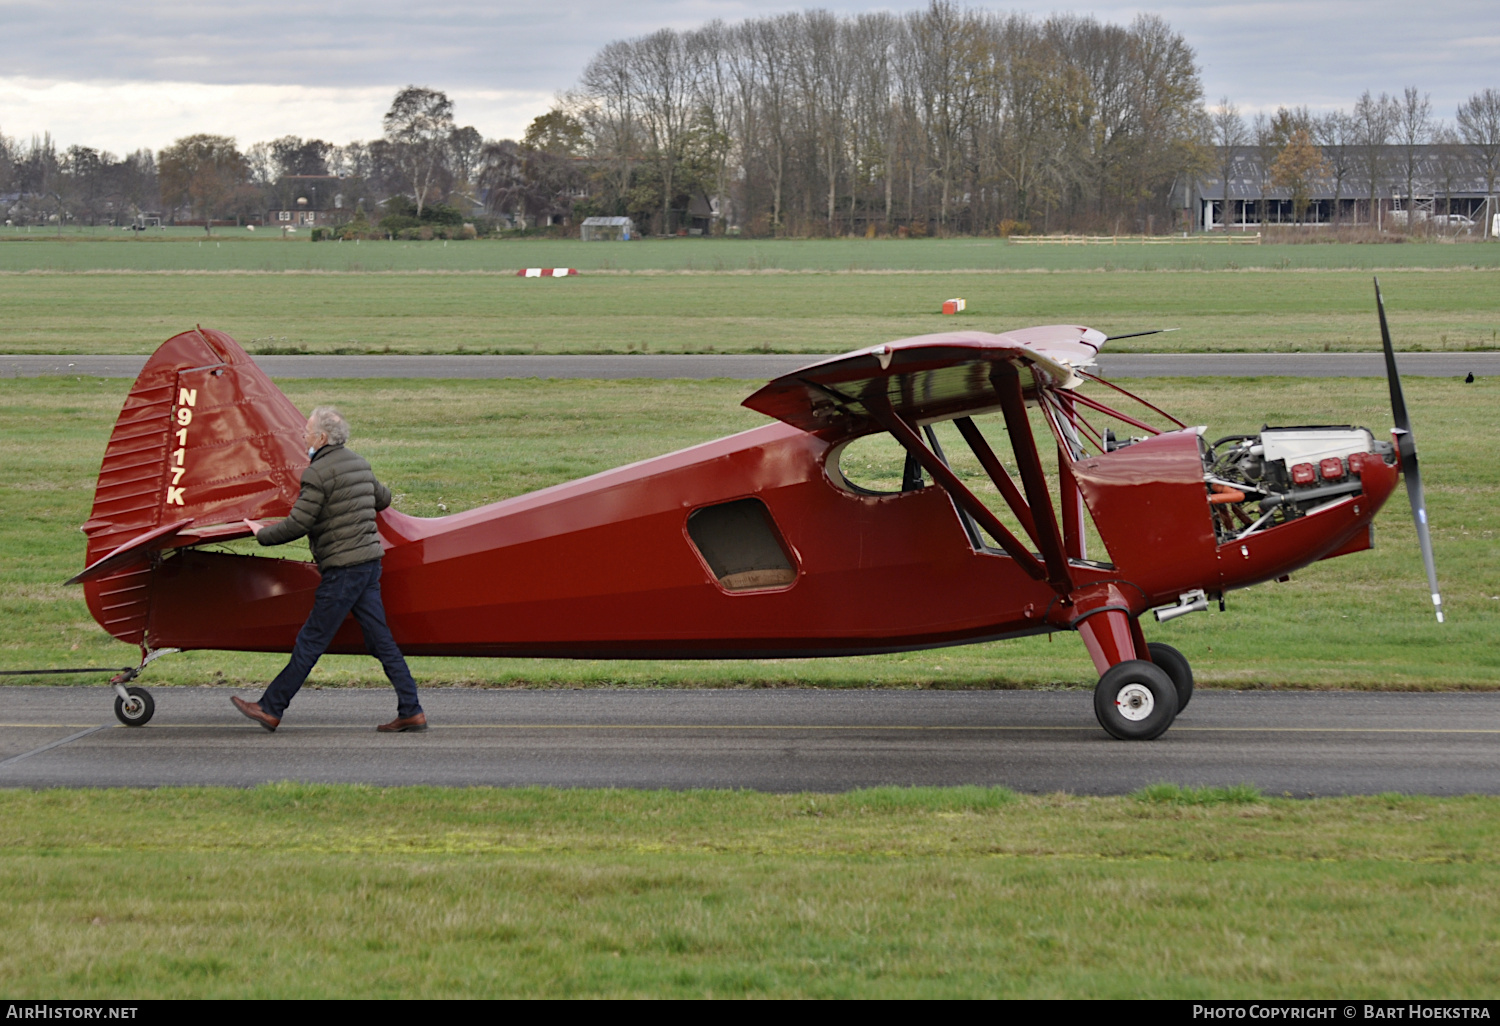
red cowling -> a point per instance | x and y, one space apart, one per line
1152 511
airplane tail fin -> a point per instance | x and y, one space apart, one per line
204 440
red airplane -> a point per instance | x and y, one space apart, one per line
757 545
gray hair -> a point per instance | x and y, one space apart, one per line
329 421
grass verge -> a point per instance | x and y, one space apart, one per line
294 890
238 249
1292 311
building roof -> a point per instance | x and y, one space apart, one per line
1440 171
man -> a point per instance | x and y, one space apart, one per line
336 510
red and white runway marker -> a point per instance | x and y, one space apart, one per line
546 272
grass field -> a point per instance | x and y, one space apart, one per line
318 891
1284 311
238 249
1359 621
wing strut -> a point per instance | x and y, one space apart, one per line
993 467
970 527
1007 385
880 408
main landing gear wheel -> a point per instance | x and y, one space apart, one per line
137 709
1135 701
1175 665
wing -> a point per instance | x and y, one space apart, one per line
903 385
927 378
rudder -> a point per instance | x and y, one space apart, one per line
204 438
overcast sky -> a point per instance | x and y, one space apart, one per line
121 74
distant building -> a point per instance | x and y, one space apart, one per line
1448 188
601 229
313 201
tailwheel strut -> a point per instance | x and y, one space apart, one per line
134 706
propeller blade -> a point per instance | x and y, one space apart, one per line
1398 401
1406 445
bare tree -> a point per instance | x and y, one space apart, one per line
139 188
1413 123
770 39
870 40
941 45
8 154
1230 139
1263 131
418 128
606 107
1448 165
351 160
709 50
745 124
820 74
39 176
260 164
665 91
1334 133
1039 103
1479 127
1374 121
948 114
502 179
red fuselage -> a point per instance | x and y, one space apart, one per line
606 567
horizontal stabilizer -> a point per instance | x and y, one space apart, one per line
169 536
136 550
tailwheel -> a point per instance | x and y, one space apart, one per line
1175 665
135 707
1135 701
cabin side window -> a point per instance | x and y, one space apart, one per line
874 464
739 543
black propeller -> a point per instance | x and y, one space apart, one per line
1406 445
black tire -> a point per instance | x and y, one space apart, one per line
1135 701
141 714
1175 665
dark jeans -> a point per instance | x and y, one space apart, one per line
344 590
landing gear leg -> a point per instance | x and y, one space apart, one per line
1135 699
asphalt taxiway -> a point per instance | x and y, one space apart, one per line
1301 743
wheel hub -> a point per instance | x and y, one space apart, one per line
1135 701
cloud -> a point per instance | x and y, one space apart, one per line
123 73
152 114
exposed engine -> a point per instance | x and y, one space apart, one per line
1257 482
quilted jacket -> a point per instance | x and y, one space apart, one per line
336 510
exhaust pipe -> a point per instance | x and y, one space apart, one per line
1192 602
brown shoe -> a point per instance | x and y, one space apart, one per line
256 713
401 724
